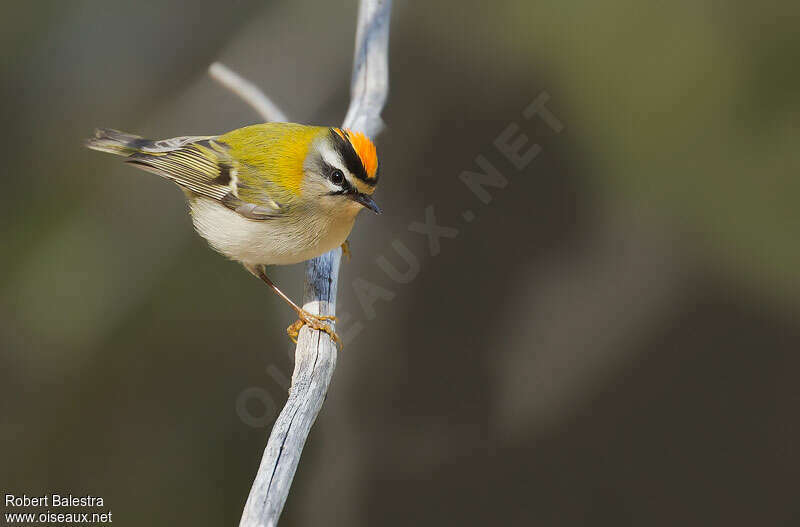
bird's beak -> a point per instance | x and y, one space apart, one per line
366 201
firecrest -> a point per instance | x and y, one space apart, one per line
267 194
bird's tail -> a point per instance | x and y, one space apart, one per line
116 142
125 144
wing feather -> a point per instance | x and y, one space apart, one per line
205 168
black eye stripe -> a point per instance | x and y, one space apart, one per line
329 170
351 160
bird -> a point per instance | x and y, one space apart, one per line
265 194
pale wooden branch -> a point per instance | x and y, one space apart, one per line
316 353
247 91
370 83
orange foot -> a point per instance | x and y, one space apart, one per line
346 250
314 322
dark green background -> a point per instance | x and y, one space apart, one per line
612 341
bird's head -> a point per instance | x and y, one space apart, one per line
341 171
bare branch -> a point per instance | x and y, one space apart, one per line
316 353
370 83
247 91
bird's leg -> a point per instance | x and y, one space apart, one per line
346 250
304 318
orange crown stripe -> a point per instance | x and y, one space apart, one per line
365 150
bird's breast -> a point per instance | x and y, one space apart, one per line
279 241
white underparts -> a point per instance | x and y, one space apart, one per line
285 239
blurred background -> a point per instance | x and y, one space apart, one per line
612 340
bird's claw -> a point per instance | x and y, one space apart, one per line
346 250
314 322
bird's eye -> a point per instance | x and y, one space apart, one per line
337 177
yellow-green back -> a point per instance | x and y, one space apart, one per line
271 155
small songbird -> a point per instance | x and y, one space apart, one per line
267 194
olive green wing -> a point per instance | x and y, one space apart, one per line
199 164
